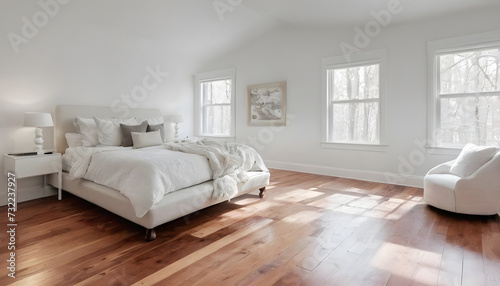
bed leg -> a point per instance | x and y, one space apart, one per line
262 191
150 234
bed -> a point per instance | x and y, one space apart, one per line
172 205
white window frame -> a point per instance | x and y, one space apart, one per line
434 50
229 73
361 59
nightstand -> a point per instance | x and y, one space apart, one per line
34 165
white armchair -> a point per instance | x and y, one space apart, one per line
476 194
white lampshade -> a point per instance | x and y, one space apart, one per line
38 119
176 118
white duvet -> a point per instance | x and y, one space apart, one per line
143 175
146 175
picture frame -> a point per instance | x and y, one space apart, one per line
266 104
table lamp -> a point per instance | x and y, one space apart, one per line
37 119
176 119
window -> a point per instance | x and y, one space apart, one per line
216 107
353 92
214 103
465 92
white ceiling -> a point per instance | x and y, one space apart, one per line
195 30
355 12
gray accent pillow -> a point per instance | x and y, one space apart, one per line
126 129
156 128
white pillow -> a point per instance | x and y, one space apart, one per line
88 129
73 139
471 158
147 139
109 132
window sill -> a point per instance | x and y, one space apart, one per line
355 146
443 151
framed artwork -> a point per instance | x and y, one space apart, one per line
267 104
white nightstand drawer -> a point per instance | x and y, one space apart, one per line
28 166
36 165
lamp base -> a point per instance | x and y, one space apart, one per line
38 141
176 128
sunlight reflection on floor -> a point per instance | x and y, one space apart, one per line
297 195
394 258
303 217
368 205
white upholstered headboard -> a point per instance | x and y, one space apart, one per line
66 113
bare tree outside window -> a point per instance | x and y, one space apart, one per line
469 97
354 94
216 96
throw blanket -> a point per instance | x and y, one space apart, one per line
228 161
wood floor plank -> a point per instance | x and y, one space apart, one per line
473 265
290 229
224 258
491 254
308 230
164 273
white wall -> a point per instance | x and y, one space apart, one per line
71 59
295 54
91 52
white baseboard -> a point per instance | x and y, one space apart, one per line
389 178
35 193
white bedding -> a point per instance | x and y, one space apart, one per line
145 175
229 162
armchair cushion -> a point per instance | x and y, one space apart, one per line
471 158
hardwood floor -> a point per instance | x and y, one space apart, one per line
308 230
